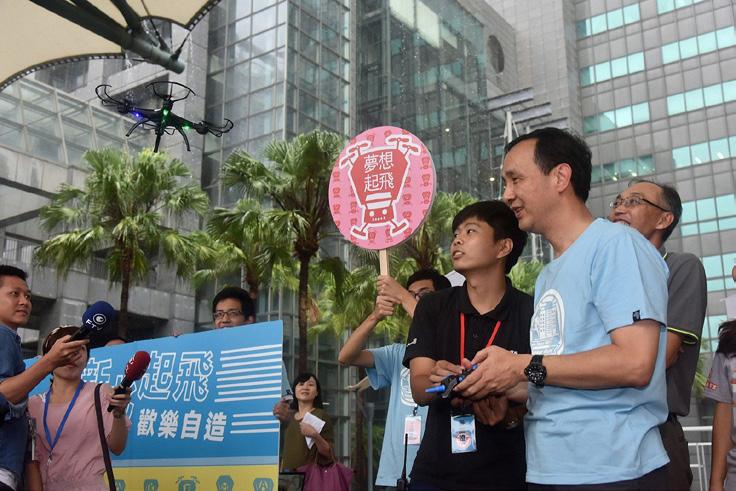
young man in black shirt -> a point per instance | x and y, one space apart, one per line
478 445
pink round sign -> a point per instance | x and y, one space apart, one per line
382 187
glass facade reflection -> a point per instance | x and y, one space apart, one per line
687 83
425 66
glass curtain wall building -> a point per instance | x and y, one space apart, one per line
429 67
672 120
278 69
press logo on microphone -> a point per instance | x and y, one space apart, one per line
99 319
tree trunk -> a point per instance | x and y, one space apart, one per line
124 294
303 312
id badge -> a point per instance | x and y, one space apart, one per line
413 429
462 433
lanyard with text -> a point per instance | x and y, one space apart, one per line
462 335
52 443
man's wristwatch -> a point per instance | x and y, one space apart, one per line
536 372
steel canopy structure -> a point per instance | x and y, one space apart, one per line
42 33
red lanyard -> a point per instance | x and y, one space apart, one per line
462 335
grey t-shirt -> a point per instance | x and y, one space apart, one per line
686 305
720 389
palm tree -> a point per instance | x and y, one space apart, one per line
524 275
425 246
296 184
243 242
128 208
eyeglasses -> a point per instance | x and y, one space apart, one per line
420 293
219 314
632 201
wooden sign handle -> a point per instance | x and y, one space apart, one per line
383 261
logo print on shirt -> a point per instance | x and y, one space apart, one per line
405 385
547 334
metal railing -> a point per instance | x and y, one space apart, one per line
699 444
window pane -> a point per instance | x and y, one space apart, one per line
265 19
583 28
670 52
665 6
641 112
11 135
260 124
262 71
691 229
726 205
264 42
590 125
636 62
719 149
715 285
727 223
726 37
646 166
631 13
595 175
713 95
700 153
261 100
729 91
681 156
236 80
706 209
598 23
587 76
694 99
707 42
615 18
623 117
713 266
607 121
676 104
628 168
688 212
708 227
688 47
602 71
609 172
618 67
238 52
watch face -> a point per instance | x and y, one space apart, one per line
536 374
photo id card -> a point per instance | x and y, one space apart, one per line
462 433
413 429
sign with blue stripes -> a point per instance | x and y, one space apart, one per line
204 404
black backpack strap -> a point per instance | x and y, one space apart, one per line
103 440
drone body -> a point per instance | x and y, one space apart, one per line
162 121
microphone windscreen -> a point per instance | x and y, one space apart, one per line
137 365
99 316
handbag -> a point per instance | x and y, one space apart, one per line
332 477
103 440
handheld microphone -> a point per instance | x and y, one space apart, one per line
98 317
134 370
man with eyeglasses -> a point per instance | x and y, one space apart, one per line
384 369
233 307
596 377
655 210
16 381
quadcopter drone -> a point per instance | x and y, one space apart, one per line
161 120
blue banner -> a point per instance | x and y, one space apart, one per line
206 400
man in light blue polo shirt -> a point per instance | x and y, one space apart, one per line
384 369
596 376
